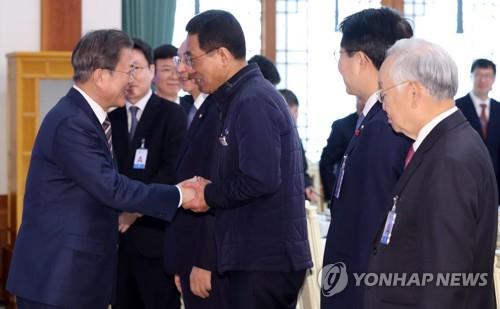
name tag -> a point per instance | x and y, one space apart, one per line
141 155
389 224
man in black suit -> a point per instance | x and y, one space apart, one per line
444 211
336 144
482 111
190 242
153 128
167 84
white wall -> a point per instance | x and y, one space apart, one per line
20 31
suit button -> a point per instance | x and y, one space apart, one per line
117 246
374 251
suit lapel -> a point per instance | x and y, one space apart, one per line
437 132
120 133
494 114
77 97
470 111
146 122
355 138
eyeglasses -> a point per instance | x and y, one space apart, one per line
190 60
382 92
178 60
130 72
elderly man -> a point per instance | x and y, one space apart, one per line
257 195
443 217
65 253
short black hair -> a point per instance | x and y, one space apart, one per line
217 28
144 48
268 69
165 51
483 64
290 97
98 49
373 31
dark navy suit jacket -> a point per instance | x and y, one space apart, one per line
340 135
163 128
65 253
258 194
375 161
189 239
492 141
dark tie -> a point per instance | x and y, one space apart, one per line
483 119
133 121
106 126
409 156
192 112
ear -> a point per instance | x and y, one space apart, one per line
416 92
364 61
99 77
225 55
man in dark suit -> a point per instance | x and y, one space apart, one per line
443 219
190 239
146 122
66 249
257 195
293 106
482 111
373 160
167 84
336 144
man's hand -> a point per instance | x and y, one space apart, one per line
311 194
126 219
188 194
200 282
177 281
198 203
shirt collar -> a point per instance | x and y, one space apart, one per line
370 103
477 101
422 134
141 104
199 100
99 112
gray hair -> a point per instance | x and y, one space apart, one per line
98 49
426 63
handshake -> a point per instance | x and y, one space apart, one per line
193 198
193 194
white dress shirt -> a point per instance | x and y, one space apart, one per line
422 134
141 104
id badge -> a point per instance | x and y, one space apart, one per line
389 224
340 178
141 155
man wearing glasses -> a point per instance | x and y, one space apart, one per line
166 81
373 160
147 135
66 251
482 111
257 194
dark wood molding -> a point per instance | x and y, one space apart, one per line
268 26
61 24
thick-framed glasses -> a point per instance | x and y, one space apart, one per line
190 60
382 92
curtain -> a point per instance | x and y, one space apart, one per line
149 20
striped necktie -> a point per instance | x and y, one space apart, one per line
106 126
